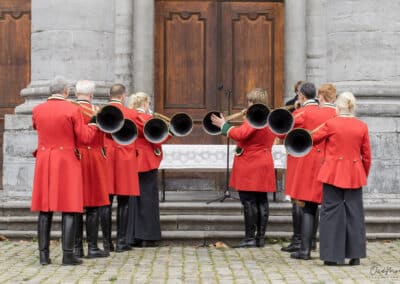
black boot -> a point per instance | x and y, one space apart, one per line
354 261
122 223
306 235
44 227
297 216
68 236
263 214
106 227
92 231
78 245
250 220
315 230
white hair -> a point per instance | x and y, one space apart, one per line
85 87
346 103
138 99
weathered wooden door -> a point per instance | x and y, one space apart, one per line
15 58
203 49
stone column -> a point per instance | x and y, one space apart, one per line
316 31
123 42
295 44
71 38
143 46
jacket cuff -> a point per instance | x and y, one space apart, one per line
225 128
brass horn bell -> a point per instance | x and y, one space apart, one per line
280 121
256 115
298 142
156 129
110 119
127 134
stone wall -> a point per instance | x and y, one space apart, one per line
362 56
353 44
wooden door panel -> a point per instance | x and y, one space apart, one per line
185 62
15 58
252 48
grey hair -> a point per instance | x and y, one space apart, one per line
85 87
58 85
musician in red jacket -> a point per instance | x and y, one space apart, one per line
57 184
144 228
122 175
252 173
343 173
307 189
94 174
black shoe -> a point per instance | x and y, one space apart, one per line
78 252
260 242
292 247
96 252
330 263
70 259
301 255
354 261
123 247
44 258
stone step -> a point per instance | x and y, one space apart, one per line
190 236
216 208
179 219
203 223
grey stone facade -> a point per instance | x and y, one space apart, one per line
353 44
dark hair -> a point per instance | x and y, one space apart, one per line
308 90
117 90
297 85
292 101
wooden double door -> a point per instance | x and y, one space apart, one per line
209 54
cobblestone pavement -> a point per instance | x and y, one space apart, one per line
190 264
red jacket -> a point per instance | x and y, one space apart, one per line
149 154
94 165
253 170
348 152
123 163
57 184
305 185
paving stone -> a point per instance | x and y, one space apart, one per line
178 264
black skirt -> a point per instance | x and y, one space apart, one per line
342 225
144 210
